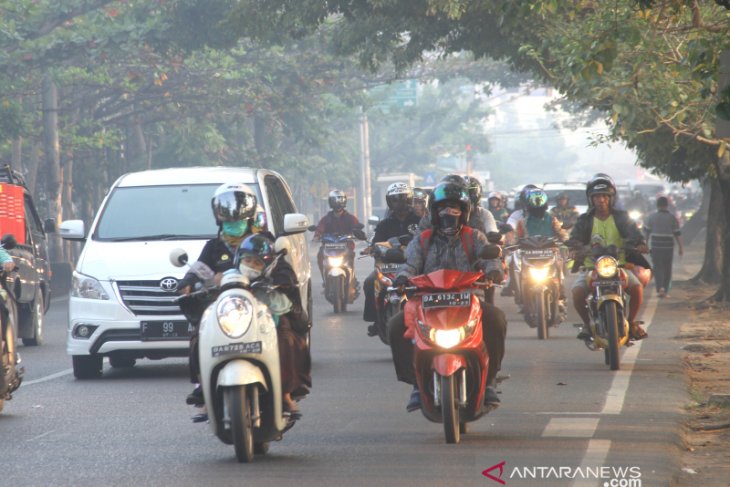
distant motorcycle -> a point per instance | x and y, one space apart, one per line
540 277
389 256
339 276
11 375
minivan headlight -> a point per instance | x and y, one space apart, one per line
234 315
87 287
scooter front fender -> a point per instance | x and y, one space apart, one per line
241 372
448 364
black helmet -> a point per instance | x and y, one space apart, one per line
450 192
475 190
523 194
337 199
453 178
233 202
601 184
259 246
399 196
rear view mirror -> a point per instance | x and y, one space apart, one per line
373 220
178 257
73 230
489 252
295 223
395 256
49 225
9 241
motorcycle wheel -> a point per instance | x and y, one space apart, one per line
241 427
383 327
450 410
540 316
338 296
611 317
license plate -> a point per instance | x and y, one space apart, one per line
335 246
607 283
443 300
389 268
165 330
236 348
537 253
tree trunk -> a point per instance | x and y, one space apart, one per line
34 161
711 270
723 179
53 160
698 222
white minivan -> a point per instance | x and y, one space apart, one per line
122 302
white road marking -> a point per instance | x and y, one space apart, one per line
571 427
40 436
47 378
595 456
617 393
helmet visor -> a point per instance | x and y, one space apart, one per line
234 206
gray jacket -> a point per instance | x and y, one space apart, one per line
446 253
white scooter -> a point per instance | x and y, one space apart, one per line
239 364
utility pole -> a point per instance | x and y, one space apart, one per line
367 203
469 161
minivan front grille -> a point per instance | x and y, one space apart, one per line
148 298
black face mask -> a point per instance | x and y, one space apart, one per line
448 224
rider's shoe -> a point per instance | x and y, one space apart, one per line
372 331
414 402
490 397
195 398
585 333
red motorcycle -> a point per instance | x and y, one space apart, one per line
444 316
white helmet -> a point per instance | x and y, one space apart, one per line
399 194
233 202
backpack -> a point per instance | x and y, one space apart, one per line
467 241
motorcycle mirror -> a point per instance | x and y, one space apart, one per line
312 228
359 234
9 241
405 239
489 252
178 256
373 220
395 256
504 228
494 237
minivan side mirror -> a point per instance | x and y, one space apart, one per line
49 225
73 230
295 223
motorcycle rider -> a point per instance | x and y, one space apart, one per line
613 227
338 222
234 209
420 201
446 247
255 254
479 218
496 207
401 215
514 221
564 211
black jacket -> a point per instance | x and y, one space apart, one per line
393 227
627 228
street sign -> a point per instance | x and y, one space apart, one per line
429 179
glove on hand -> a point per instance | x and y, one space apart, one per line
400 281
495 276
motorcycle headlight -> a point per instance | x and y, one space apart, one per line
234 315
335 261
87 287
635 215
606 266
539 273
448 338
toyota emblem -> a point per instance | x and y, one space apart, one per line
168 284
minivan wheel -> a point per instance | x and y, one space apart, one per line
36 310
87 366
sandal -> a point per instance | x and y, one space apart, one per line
636 332
291 409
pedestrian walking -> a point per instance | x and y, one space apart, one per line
662 229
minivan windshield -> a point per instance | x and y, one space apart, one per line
174 212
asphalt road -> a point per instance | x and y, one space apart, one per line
564 417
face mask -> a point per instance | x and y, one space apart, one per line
235 229
448 223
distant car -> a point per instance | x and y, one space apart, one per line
122 303
576 194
